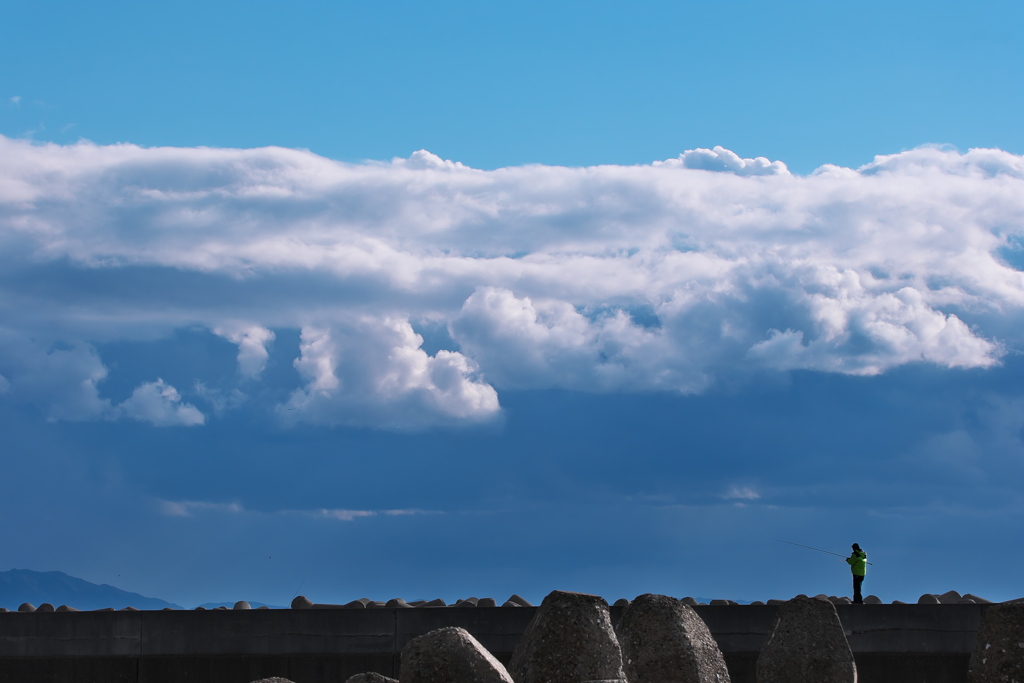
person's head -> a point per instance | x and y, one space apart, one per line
855 546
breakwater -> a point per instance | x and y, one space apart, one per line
923 643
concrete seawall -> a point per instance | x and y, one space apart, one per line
891 643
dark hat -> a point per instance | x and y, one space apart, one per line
855 546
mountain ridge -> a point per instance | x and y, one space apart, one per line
18 586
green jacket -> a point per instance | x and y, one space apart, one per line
858 562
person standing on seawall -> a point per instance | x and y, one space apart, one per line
858 562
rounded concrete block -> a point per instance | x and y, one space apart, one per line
26 607
807 644
449 655
487 602
301 602
928 599
570 639
950 598
665 641
370 677
520 600
397 602
242 604
46 607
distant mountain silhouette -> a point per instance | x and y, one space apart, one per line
18 586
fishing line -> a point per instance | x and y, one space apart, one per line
828 552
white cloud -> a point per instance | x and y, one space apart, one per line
548 343
352 515
723 160
252 341
373 371
160 404
741 493
188 508
606 278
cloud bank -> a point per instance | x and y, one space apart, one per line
607 278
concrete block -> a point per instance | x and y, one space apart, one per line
301 602
807 645
449 655
569 640
998 654
370 677
665 641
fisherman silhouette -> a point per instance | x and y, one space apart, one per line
858 562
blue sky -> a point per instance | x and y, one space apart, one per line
447 299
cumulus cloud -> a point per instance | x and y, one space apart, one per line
252 341
723 160
373 371
160 404
607 278
61 380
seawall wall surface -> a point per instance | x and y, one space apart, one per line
891 643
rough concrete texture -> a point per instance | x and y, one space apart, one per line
998 655
371 677
569 640
273 679
449 655
664 641
806 645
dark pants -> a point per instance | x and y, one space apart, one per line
857 581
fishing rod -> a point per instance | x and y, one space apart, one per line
810 548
